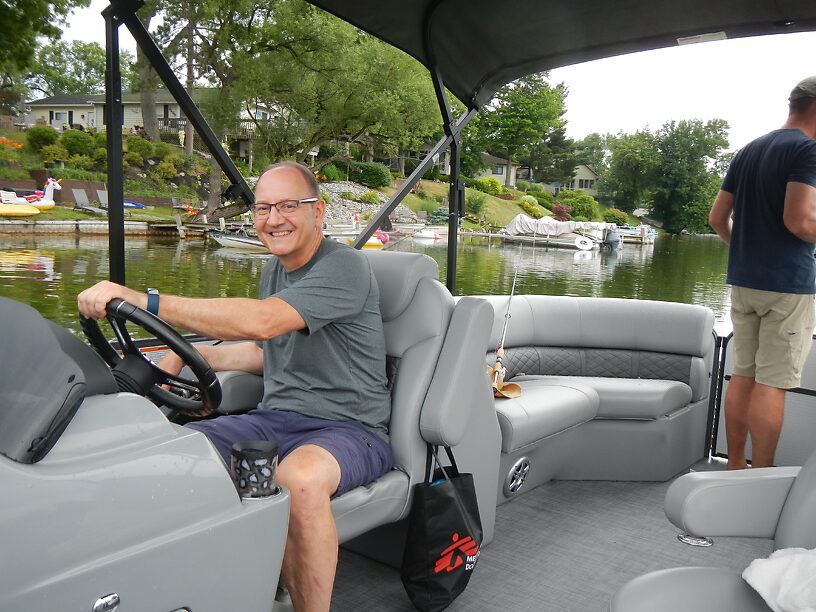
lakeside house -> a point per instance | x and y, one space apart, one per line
499 168
583 179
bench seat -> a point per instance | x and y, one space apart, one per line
622 398
543 409
612 389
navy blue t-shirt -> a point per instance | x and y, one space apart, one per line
764 254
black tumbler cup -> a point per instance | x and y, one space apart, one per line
253 465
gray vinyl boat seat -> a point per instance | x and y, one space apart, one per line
777 502
437 400
599 378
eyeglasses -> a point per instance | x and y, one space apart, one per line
285 208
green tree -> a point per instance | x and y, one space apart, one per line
318 78
592 151
74 67
523 114
628 182
687 152
23 21
552 158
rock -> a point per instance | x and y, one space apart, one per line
340 209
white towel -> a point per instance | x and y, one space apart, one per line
786 580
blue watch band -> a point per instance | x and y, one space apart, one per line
153 301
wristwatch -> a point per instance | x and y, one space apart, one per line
153 301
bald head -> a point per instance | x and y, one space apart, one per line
308 179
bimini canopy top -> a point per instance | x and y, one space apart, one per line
479 45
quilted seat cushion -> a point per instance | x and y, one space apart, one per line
625 398
543 409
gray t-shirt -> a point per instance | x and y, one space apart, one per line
335 367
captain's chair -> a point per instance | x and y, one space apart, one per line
439 400
778 503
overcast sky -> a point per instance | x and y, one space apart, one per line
744 81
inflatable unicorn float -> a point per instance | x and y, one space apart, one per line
41 200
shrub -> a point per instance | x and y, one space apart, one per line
561 212
422 194
475 202
14 174
579 218
614 215
531 210
426 204
174 160
440 215
523 185
371 174
162 150
100 157
54 152
325 197
529 199
76 174
40 136
489 185
370 198
137 144
166 169
132 158
346 195
9 150
543 198
77 142
469 182
330 172
101 139
81 162
582 204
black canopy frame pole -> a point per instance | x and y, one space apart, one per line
451 139
124 12
413 178
456 194
114 118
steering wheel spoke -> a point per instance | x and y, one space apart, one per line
142 375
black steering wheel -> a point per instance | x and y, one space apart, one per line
136 373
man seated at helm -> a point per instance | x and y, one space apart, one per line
319 343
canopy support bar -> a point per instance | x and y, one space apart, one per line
453 139
113 119
412 180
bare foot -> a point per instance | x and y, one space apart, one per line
741 465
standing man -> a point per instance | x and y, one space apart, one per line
766 212
319 343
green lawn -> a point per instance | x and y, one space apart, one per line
61 212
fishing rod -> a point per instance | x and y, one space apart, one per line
498 371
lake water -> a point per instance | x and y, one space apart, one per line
47 272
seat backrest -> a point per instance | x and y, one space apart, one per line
416 309
80 197
102 194
797 523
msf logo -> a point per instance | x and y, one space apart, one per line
463 551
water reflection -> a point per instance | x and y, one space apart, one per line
48 271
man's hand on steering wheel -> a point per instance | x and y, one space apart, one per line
133 371
93 302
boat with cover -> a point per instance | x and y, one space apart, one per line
97 456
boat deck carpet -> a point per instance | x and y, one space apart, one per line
566 546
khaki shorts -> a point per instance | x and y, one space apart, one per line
772 335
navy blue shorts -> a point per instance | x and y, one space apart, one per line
362 455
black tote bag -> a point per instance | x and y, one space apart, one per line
444 536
